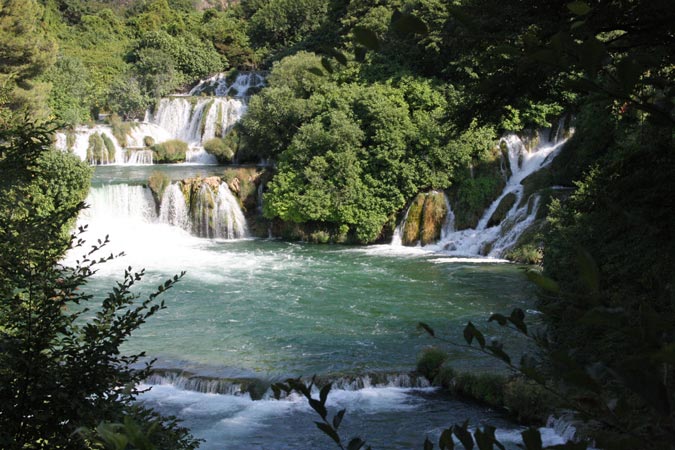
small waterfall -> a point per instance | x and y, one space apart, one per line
197 121
116 202
242 386
200 156
449 224
397 238
140 157
231 223
173 209
217 214
494 239
220 86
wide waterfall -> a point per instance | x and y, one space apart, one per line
210 110
210 214
489 238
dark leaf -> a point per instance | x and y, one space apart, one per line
591 55
579 8
355 444
428 445
315 71
532 439
543 282
588 269
425 327
329 431
445 442
337 420
323 394
339 56
360 54
318 407
471 332
326 65
517 318
462 433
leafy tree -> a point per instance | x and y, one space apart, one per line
282 23
25 53
69 97
60 362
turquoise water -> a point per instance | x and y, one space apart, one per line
268 310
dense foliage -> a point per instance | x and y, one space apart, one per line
61 368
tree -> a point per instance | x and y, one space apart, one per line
25 53
60 363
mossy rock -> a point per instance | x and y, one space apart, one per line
158 182
433 217
222 149
413 221
503 209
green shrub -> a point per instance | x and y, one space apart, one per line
411 229
120 129
148 141
170 151
430 361
487 388
97 152
527 401
319 237
221 149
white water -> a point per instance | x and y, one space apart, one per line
123 208
174 210
218 215
219 85
500 237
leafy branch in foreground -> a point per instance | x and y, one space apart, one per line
328 427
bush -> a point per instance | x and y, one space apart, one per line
170 151
158 182
430 361
527 401
221 149
487 388
148 141
319 237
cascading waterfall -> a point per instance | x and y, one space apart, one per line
210 110
215 211
173 209
220 86
197 122
491 239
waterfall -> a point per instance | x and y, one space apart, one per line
173 209
220 86
115 202
197 121
218 215
210 110
230 223
494 239
139 157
